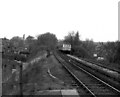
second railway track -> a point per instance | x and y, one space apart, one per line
91 84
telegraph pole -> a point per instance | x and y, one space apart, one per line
20 78
21 87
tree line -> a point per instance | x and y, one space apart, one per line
110 51
12 47
48 41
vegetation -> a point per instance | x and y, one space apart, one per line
80 48
117 54
11 49
16 49
110 51
47 41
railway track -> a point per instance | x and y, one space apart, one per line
91 84
104 70
111 77
101 65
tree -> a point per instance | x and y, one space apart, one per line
80 51
89 45
108 50
17 42
30 42
117 53
70 38
76 39
47 40
29 39
76 45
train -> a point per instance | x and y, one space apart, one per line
65 48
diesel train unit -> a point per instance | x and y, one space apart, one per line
65 48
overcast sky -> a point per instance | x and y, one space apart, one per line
94 19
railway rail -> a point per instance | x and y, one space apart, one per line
103 65
106 71
91 84
109 76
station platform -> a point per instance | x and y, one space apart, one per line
60 93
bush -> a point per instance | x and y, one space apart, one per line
36 49
80 52
19 57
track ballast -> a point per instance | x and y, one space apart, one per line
91 84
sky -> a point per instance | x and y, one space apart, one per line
94 19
